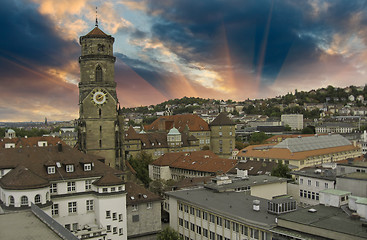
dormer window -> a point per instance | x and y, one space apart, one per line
87 167
51 170
70 168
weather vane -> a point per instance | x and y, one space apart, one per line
96 18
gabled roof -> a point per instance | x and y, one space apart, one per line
108 179
165 123
22 142
203 161
22 178
222 120
96 32
138 194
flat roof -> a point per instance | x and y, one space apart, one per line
335 192
328 218
24 225
234 205
355 175
325 174
250 181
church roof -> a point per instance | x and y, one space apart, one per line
221 120
96 32
165 123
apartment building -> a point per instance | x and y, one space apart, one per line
77 190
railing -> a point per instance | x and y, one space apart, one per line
55 226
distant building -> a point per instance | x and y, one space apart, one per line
26 142
335 127
189 164
302 152
10 133
294 121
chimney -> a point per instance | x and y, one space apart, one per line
256 205
59 147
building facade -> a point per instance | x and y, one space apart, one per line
77 190
294 121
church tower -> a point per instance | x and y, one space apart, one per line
98 124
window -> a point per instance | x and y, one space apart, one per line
113 189
72 207
98 74
301 181
192 211
219 237
53 188
235 227
37 199
114 216
227 224
108 228
108 214
75 226
326 185
120 217
205 232
88 184
186 208
205 215
51 170
192 227
24 201
67 226
219 221
87 167
198 213
104 189
220 134
149 205
317 184
180 221
301 193
121 232
89 204
317 196
11 200
211 218
114 230
212 235
70 168
135 218
71 186
55 209
134 207
186 224
309 182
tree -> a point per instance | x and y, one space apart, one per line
258 138
140 163
281 170
307 130
169 234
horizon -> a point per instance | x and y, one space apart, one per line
210 49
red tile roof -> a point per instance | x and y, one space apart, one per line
96 32
203 161
165 123
23 142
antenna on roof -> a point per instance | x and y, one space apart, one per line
96 18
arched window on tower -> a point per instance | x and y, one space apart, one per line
98 74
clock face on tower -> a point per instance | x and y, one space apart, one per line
99 96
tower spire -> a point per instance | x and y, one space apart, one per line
96 18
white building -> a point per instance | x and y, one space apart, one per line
295 121
77 190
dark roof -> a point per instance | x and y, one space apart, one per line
138 194
203 161
254 167
108 180
22 178
270 128
192 182
222 120
191 121
36 160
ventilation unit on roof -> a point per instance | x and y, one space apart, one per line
312 210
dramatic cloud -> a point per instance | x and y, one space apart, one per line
169 49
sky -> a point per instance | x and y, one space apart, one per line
221 49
